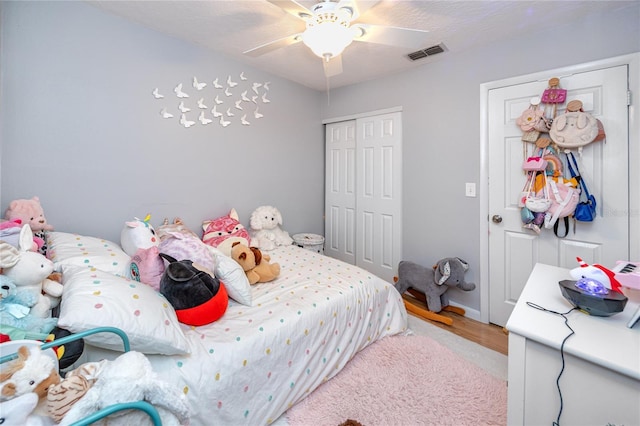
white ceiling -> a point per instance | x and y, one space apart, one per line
234 26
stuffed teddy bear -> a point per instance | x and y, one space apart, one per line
31 213
29 271
266 233
197 296
130 378
18 412
222 232
33 371
138 234
434 282
255 264
15 308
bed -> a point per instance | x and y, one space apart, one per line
263 356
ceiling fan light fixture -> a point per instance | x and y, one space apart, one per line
328 32
327 39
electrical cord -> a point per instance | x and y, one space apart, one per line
566 322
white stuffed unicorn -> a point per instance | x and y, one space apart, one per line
138 234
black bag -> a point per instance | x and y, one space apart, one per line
585 210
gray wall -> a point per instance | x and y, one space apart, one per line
81 129
441 125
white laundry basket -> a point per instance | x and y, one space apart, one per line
312 242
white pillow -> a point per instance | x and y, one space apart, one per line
93 298
73 249
233 276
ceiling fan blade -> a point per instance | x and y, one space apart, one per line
273 45
392 36
333 66
293 7
358 8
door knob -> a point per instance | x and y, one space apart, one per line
496 218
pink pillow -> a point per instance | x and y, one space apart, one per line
147 266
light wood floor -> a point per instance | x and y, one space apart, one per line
489 335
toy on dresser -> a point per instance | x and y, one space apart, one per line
627 273
596 272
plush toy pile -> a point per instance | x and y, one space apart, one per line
33 393
129 378
191 272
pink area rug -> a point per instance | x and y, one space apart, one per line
406 380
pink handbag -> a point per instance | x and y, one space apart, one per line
554 94
534 164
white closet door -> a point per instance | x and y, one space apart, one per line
379 194
340 191
364 193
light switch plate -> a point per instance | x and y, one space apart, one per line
470 189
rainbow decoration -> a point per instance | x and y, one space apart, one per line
554 165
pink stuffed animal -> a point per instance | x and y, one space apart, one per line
224 231
31 213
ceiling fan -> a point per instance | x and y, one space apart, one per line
331 26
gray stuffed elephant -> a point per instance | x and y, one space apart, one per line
434 282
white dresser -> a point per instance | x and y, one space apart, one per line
601 380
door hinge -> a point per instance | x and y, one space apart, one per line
628 97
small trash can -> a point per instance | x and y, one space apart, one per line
312 242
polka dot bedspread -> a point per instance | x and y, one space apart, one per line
256 362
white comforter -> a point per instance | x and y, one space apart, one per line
256 362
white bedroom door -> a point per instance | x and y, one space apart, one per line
363 203
513 250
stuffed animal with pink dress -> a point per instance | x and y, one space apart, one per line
138 234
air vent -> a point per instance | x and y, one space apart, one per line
429 51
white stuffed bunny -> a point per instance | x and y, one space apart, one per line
266 232
130 378
29 271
